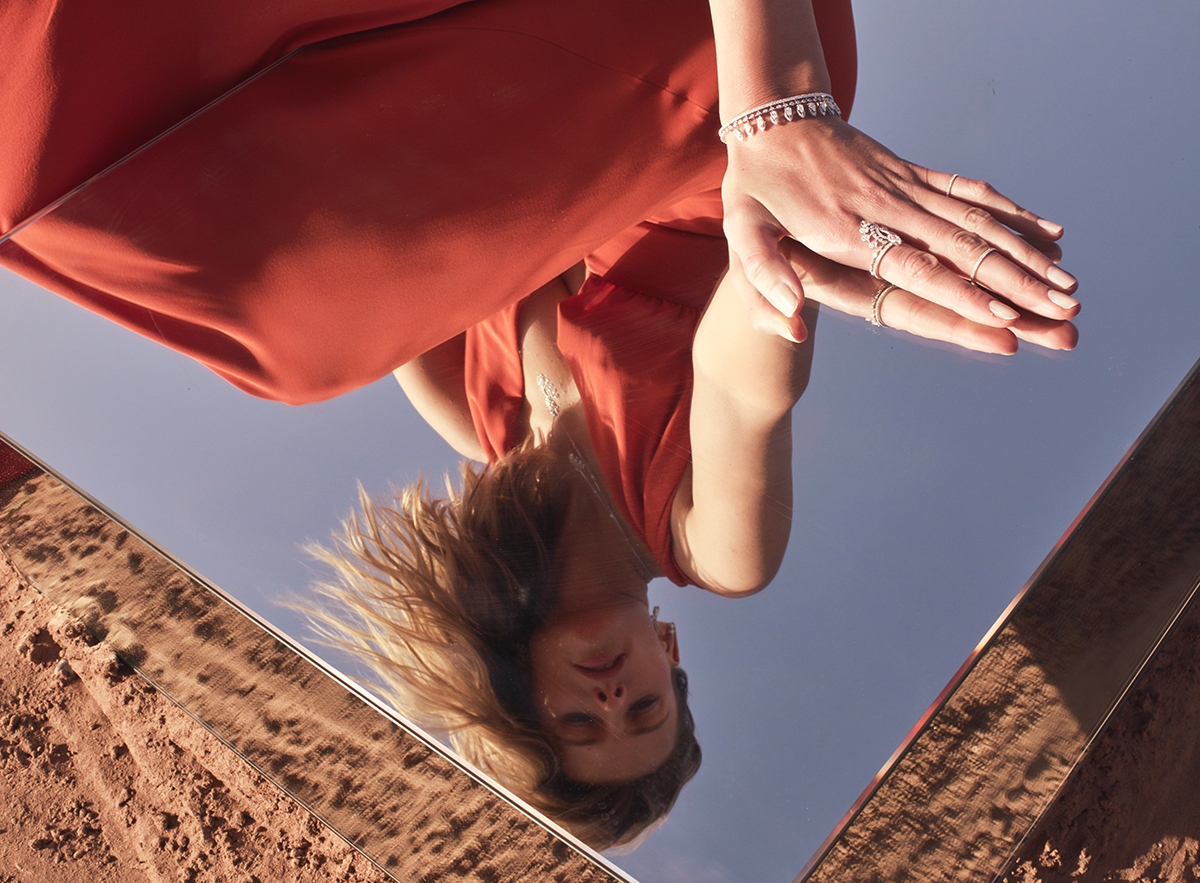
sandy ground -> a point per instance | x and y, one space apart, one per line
109 780
1132 811
979 777
103 779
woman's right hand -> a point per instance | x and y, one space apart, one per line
818 180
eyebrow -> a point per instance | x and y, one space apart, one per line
642 731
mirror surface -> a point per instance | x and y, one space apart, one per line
929 483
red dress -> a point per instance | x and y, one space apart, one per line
627 337
417 166
314 192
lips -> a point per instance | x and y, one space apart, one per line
601 669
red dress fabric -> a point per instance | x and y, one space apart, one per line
416 167
627 337
311 194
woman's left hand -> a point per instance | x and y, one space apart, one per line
854 292
817 180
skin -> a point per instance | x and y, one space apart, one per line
814 180
602 673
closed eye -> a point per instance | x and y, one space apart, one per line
643 705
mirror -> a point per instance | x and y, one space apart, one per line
931 483
993 754
391 792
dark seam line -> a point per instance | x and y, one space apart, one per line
36 216
58 202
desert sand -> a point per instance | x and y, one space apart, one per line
1132 809
105 778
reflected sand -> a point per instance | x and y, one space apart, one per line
984 766
380 787
961 796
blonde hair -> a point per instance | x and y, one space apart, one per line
440 598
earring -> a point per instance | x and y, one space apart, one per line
654 620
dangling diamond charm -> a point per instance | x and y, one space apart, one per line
760 118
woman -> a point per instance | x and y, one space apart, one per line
416 169
630 435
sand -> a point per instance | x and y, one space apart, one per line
107 779
976 779
103 779
1132 810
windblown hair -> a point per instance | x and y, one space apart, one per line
441 596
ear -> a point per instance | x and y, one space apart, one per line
669 639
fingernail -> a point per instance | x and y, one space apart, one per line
1064 300
784 299
1061 277
1050 226
785 332
1001 311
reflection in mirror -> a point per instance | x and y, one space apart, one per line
617 502
897 517
623 363
385 788
964 793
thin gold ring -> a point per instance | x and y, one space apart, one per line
953 178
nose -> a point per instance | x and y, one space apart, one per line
609 696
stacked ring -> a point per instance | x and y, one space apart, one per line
878 237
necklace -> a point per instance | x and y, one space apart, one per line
550 392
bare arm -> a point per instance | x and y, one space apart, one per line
815 180
733 513
434 384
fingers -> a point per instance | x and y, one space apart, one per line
985 196
1018 249
854 292
1046 333
920 272
764 274
1052 250
972 244
905 311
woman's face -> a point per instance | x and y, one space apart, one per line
604 691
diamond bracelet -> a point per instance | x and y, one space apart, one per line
797 107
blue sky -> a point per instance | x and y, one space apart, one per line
929 483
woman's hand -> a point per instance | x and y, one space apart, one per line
817 180
853 291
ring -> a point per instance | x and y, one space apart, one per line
877 303
978 262
953 178
878 237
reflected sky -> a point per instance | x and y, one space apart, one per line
929 483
